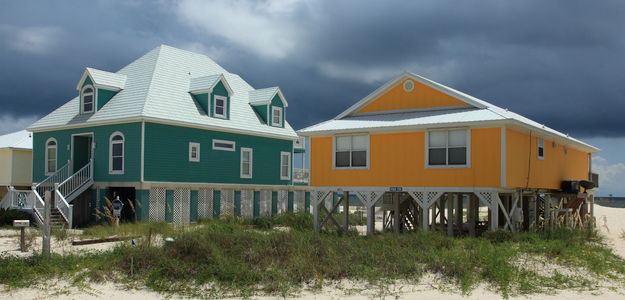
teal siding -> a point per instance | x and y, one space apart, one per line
290 202
194 205
274 203
202 100
87 81
103 97
101 136
167 156
237 203
276 101
220 90
256 206
169 206
216 204
261 110
142 200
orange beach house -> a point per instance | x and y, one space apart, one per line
428 152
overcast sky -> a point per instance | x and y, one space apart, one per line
558 62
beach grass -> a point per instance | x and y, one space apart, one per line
237 257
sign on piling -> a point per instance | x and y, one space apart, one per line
22 224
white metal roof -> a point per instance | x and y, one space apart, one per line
480 112
17 140
157 88
104 79
264 96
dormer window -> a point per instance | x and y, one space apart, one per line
220 107
87 99
276 116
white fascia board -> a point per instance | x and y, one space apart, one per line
168 122
82 79
406 128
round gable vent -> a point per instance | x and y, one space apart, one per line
408 85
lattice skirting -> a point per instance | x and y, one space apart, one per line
180 206
157 204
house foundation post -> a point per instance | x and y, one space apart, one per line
345 212
450 214
396 213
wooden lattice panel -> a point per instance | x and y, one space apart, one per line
247 203
227 203
205 204
299 201
283 201
182 206
157 205
265 203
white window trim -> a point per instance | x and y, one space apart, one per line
197 152
45 167
288 176
251 169
447 166
82 103
224 142
123 142
224 116
540 140
334 167
273 111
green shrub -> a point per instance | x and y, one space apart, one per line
498 236
7 217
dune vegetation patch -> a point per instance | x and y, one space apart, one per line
236 257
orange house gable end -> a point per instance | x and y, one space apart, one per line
420 97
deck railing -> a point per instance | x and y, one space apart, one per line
48 184
300 175
63 207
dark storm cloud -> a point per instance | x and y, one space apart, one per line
560 63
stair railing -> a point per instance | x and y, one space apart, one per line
76 180
38 206
62 206
48 184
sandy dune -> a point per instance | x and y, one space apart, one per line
610 222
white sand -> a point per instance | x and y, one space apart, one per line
610 221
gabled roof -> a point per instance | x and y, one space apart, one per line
157 89
264 96
205 84
17 140
103 79
480 112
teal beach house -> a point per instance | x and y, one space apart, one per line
175 136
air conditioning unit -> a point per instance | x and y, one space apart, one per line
570 186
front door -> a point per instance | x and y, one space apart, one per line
81 152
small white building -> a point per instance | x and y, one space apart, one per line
16 161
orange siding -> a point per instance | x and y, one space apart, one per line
421 96
398 159
546 173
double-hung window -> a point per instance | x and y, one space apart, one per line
87 97
541 148
116 150
220 107
351 151
276 116
246 162
285 165
194 152
51 147
447 148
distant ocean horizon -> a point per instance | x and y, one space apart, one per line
611 201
